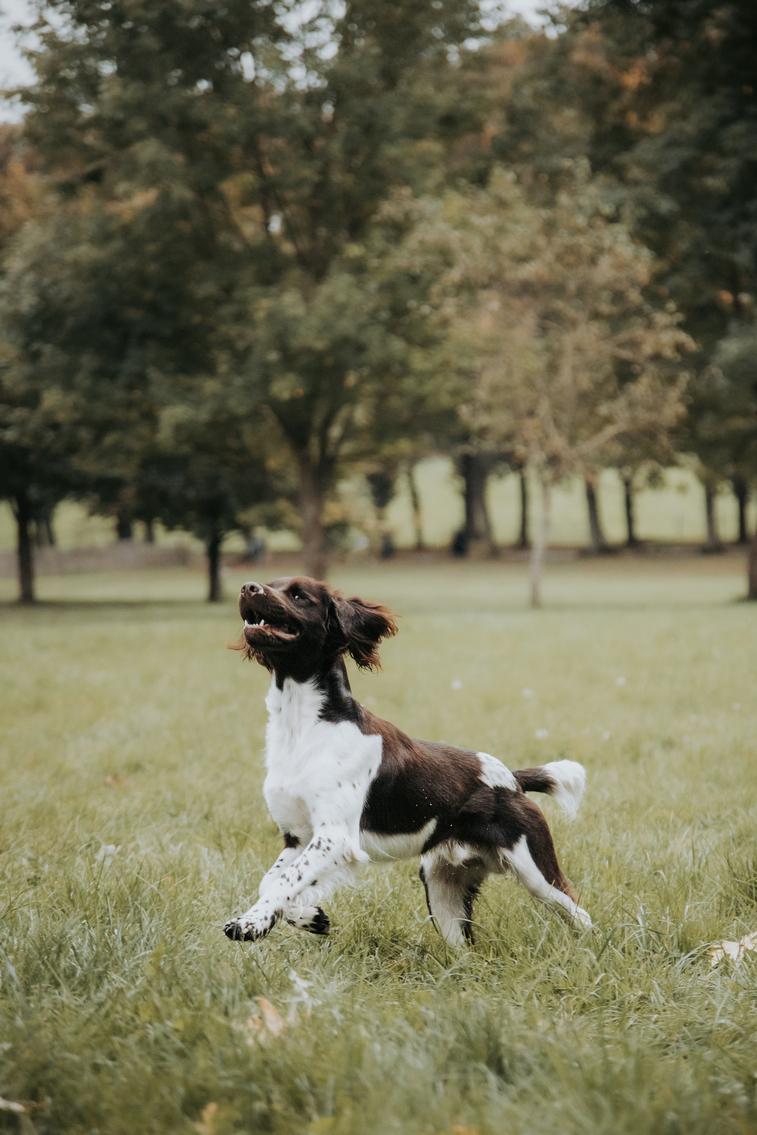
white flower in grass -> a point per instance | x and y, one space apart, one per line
106 853
541 734
456 684
620 680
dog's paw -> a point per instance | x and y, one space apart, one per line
319 924
252 926
312 918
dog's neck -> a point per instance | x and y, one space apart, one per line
325 695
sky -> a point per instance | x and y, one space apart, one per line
15 71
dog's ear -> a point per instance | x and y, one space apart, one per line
360 627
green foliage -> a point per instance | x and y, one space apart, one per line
36 445
674 107
227 174
567 352
240 198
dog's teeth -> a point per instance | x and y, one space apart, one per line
262 622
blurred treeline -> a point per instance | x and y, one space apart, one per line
250 249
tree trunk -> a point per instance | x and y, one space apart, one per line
629 502
44 532
415 507
712 543
741 492
386 549
474 468
752 568
312 500
597 541
523 537
540 544
213 547
124 527
24 548
149 531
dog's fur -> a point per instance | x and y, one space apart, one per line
346 787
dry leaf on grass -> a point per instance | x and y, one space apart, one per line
734 950
13 1106
206 1124
267 1023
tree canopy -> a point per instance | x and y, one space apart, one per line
252 250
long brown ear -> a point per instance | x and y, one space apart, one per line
361 627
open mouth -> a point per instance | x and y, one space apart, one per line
259 629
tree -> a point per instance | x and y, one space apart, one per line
670 91
209 472
334 342
568 354
35 446
268 141
119 299
597 540
734 364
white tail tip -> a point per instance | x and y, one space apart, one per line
570 783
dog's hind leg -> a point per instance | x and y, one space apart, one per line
532 859
311 918
451 888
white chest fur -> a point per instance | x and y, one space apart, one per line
318 772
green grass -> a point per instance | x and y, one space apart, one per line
133 825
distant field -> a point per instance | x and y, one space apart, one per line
673 513
133 825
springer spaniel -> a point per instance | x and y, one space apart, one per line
346 787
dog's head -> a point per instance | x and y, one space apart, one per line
299 626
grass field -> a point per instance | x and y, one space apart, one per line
133 825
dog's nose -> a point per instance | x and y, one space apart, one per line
249 589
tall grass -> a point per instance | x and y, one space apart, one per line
133 825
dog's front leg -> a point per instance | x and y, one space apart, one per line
332 847
288 856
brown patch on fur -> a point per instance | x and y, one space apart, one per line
534 780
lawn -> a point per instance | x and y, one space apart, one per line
133 826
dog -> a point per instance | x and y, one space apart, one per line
346 787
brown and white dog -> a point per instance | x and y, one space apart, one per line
346 787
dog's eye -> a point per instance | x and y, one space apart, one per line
298 597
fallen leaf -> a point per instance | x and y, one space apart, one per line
268 1023
272 1019
206 1124
13 1106
734 950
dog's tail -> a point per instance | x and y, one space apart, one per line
565 780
